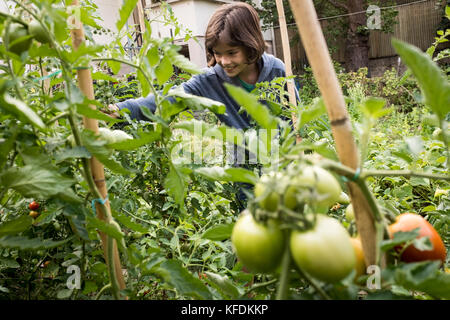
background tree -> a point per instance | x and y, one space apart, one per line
344 20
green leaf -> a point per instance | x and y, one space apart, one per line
21 110
72 153
95 223
174 183
432 82
85 110
399 238
223 284
373 107
34 182
313 112
103 154
103 76
127 222
219 232
24 243
144 138
145 87
153 55
8 263
181 61
182 280
424 277
197 103
228 174
125 11
15 226
202 129
256 110
164 71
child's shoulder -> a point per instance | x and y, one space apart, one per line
273 61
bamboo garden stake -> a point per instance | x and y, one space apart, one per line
320 61
287 56
86 86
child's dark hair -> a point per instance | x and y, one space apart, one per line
238 25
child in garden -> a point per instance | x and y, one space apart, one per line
235 49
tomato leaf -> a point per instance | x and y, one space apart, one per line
24 243
97 149
197 103
125 11
85 110
399 238
434 85
131 144
34 182
182 280
228 174
21 110
425 277
127 222
164 70
202 130
15 226
218 233
223 284
181 61
175 185
312 112
259 112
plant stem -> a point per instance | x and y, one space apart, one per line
99 294
260 285
402 173
283 285
61 115
313 283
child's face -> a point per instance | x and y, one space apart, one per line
232 59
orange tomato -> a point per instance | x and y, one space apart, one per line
360 262
410 221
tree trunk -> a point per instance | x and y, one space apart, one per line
357 41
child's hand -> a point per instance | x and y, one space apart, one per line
112 110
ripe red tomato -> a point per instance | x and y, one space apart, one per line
258 246
33 206
410 221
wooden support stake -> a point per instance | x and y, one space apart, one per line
86 86
325 75
287 59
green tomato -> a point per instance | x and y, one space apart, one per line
343 198
326 186
325 251
267 190
38 32
258 246
349 213
17 41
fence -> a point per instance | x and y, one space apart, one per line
416 24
